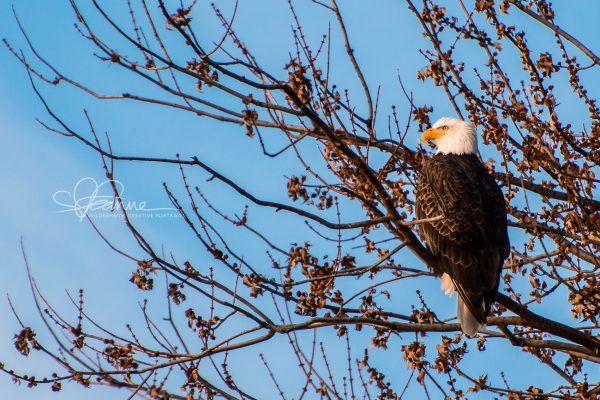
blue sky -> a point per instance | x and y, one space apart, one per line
65 254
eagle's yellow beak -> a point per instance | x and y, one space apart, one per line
431 134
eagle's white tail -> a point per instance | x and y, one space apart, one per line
467 320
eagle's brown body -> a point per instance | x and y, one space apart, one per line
471 241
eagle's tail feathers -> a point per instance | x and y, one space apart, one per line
468 323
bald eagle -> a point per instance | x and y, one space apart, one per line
469 240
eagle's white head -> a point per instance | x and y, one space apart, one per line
452 136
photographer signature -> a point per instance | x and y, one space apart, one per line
86 198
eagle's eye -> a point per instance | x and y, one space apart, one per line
445 127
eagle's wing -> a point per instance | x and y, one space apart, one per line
494 198
470 242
